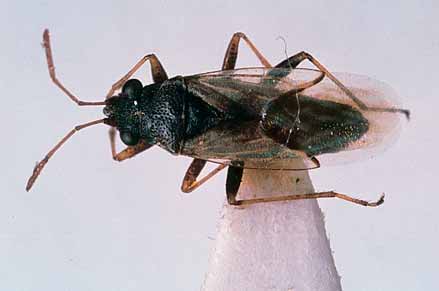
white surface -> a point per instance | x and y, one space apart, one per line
93 224
272 246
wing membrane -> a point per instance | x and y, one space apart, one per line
254 88
251 87
384 127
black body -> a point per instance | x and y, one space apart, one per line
185 117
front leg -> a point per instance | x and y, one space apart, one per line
129 151
158 73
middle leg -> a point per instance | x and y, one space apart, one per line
232 52
190 182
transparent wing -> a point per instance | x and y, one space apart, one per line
245 142
263 79
255 87
250 87
288 164
384 126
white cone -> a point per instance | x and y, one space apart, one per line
275 245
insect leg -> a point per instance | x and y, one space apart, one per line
112 136
316 162
129 151
297 58
234 176
329 194
293 61
190 182
158 73
232 52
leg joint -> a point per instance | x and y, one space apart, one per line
239 34
232 200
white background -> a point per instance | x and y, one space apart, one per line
93 224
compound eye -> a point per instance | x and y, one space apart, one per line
128 138
132 88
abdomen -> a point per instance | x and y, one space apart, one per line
311 125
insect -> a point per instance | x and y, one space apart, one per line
258 118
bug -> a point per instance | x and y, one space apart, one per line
257 118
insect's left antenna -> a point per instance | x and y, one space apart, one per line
51 66
39 167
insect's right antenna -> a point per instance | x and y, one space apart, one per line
285 50
51 66
39 167
297 119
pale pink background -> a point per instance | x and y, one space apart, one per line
93 224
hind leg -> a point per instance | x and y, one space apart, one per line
295 60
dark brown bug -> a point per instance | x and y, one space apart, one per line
259 118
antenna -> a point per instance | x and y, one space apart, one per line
52 74
297 119
39 167
50 64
